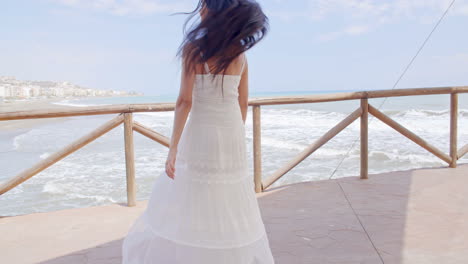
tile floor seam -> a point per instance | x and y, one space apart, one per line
359 220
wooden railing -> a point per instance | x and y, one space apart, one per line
125 116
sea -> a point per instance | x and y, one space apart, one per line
95 174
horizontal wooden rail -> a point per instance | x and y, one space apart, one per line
87 111
165 107
317 98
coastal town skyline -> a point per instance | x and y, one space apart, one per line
12 88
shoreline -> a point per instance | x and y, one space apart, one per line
11 105
26 105
35 104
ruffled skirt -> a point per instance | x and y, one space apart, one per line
209 213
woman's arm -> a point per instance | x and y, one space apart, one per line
182 109
244 91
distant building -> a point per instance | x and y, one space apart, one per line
12 88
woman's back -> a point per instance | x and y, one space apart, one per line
217 87
215 131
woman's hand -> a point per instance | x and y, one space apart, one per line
170 163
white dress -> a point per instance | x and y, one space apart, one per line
209 213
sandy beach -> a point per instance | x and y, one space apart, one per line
26 105
34 104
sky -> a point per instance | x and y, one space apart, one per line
313 45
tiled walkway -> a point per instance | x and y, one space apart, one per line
415 216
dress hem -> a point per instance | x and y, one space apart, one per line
177 241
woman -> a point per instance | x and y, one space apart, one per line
203 207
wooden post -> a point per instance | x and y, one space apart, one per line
257 152
453 129
129 159
364 138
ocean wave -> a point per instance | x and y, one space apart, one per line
414 112
322 152
72 193
17 141
424 112
69 103
396 157
97 198
24 141
295 119
301 112
329 152
272 142
53 188
159 114
44 155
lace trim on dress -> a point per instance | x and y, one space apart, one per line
203 162
204 172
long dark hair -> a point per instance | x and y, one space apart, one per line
230 28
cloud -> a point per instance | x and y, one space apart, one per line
390 9
321 9
353 30
286 16
357 30
128 7
364 16
459 57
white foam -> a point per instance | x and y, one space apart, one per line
427 113
17 141
396 157
159 114
272 142
329 152
70 193
53 188
68 103
44 155
97 198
